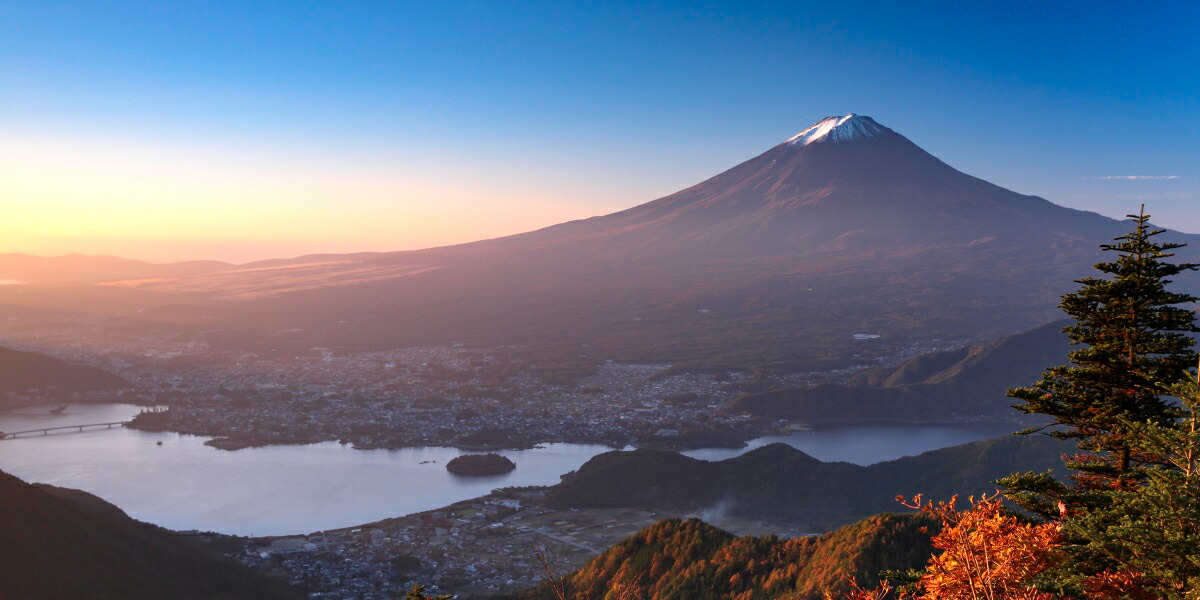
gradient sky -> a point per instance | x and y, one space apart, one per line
245 130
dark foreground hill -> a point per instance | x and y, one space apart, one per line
694 560
58 544
778 482
24 371
967 383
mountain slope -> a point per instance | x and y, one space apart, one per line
781 483
691 559
64 544
968 383
24 371
774 263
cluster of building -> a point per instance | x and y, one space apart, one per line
509 540
441 396
472 549
471 398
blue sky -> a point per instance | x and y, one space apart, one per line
247 130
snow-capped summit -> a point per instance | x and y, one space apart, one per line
839 129
853 228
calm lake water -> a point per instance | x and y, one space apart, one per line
869 444
278 490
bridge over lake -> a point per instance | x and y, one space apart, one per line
12 435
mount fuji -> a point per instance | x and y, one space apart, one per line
846 228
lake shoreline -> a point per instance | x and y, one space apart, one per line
183 483
680 443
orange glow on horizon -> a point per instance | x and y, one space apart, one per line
165 203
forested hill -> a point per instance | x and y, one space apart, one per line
778 482
23 371
967 383
64 544
691 559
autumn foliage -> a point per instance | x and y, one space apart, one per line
677 559
986 553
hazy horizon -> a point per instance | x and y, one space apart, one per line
466 222
256 132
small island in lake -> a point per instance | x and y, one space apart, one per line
480 464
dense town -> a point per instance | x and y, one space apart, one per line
466 397
440 396
505 541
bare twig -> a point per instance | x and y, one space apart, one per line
558 584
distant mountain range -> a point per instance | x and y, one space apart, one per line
969 383
780 483
61 544
79 268
846 228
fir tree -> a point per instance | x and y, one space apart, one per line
1113 399
1134 338
1150 534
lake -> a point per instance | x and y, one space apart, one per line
279 490
869 444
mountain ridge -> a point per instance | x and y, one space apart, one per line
968 383
95 268
677 558
780 483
